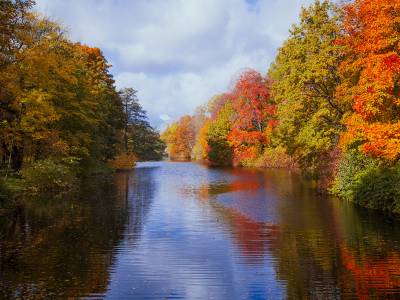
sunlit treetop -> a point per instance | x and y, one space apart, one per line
372 69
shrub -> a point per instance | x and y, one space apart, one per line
368 182
10 189
220 152
123 161
276 158
48 176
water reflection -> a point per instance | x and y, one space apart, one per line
62 248
370 253
183 231
322 248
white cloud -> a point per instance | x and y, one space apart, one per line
165 117
178 53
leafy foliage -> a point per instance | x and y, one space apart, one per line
329 105
139 137
305 78
180 139
59 108
254 113
275 157
123 161
372 72
366 181
219 150
47 177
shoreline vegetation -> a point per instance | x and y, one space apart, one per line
61 116
329 105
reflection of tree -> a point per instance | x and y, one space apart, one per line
369 253
253 237
139 198
323 249
371 276
327 249
63 247
306 257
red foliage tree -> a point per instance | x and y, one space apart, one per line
255 113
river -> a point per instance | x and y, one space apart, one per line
184 231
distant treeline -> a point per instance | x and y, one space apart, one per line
329 105
60 112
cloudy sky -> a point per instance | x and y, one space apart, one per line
178 53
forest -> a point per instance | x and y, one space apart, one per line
61 115
277 167
329 106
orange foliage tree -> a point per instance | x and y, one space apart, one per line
180 138
371 73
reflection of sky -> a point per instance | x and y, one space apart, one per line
256 205
185 250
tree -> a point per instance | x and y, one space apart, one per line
219 150
58 99
372 77
254 113
180 138
305 77
200 118
15 28
139 137
134 113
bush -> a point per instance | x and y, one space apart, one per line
220 152
368 182
10 189
124 161
48 176
276 158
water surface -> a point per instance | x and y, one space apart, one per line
184 231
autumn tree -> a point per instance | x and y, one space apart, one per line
15 32
371 72
70 107
200 118
180 138
168 137
57 99
254 113
305 77
15 26
219 150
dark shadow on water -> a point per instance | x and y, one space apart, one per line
59 248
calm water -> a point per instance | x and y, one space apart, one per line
183 231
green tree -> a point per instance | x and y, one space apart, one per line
305 78
220 151
139 137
